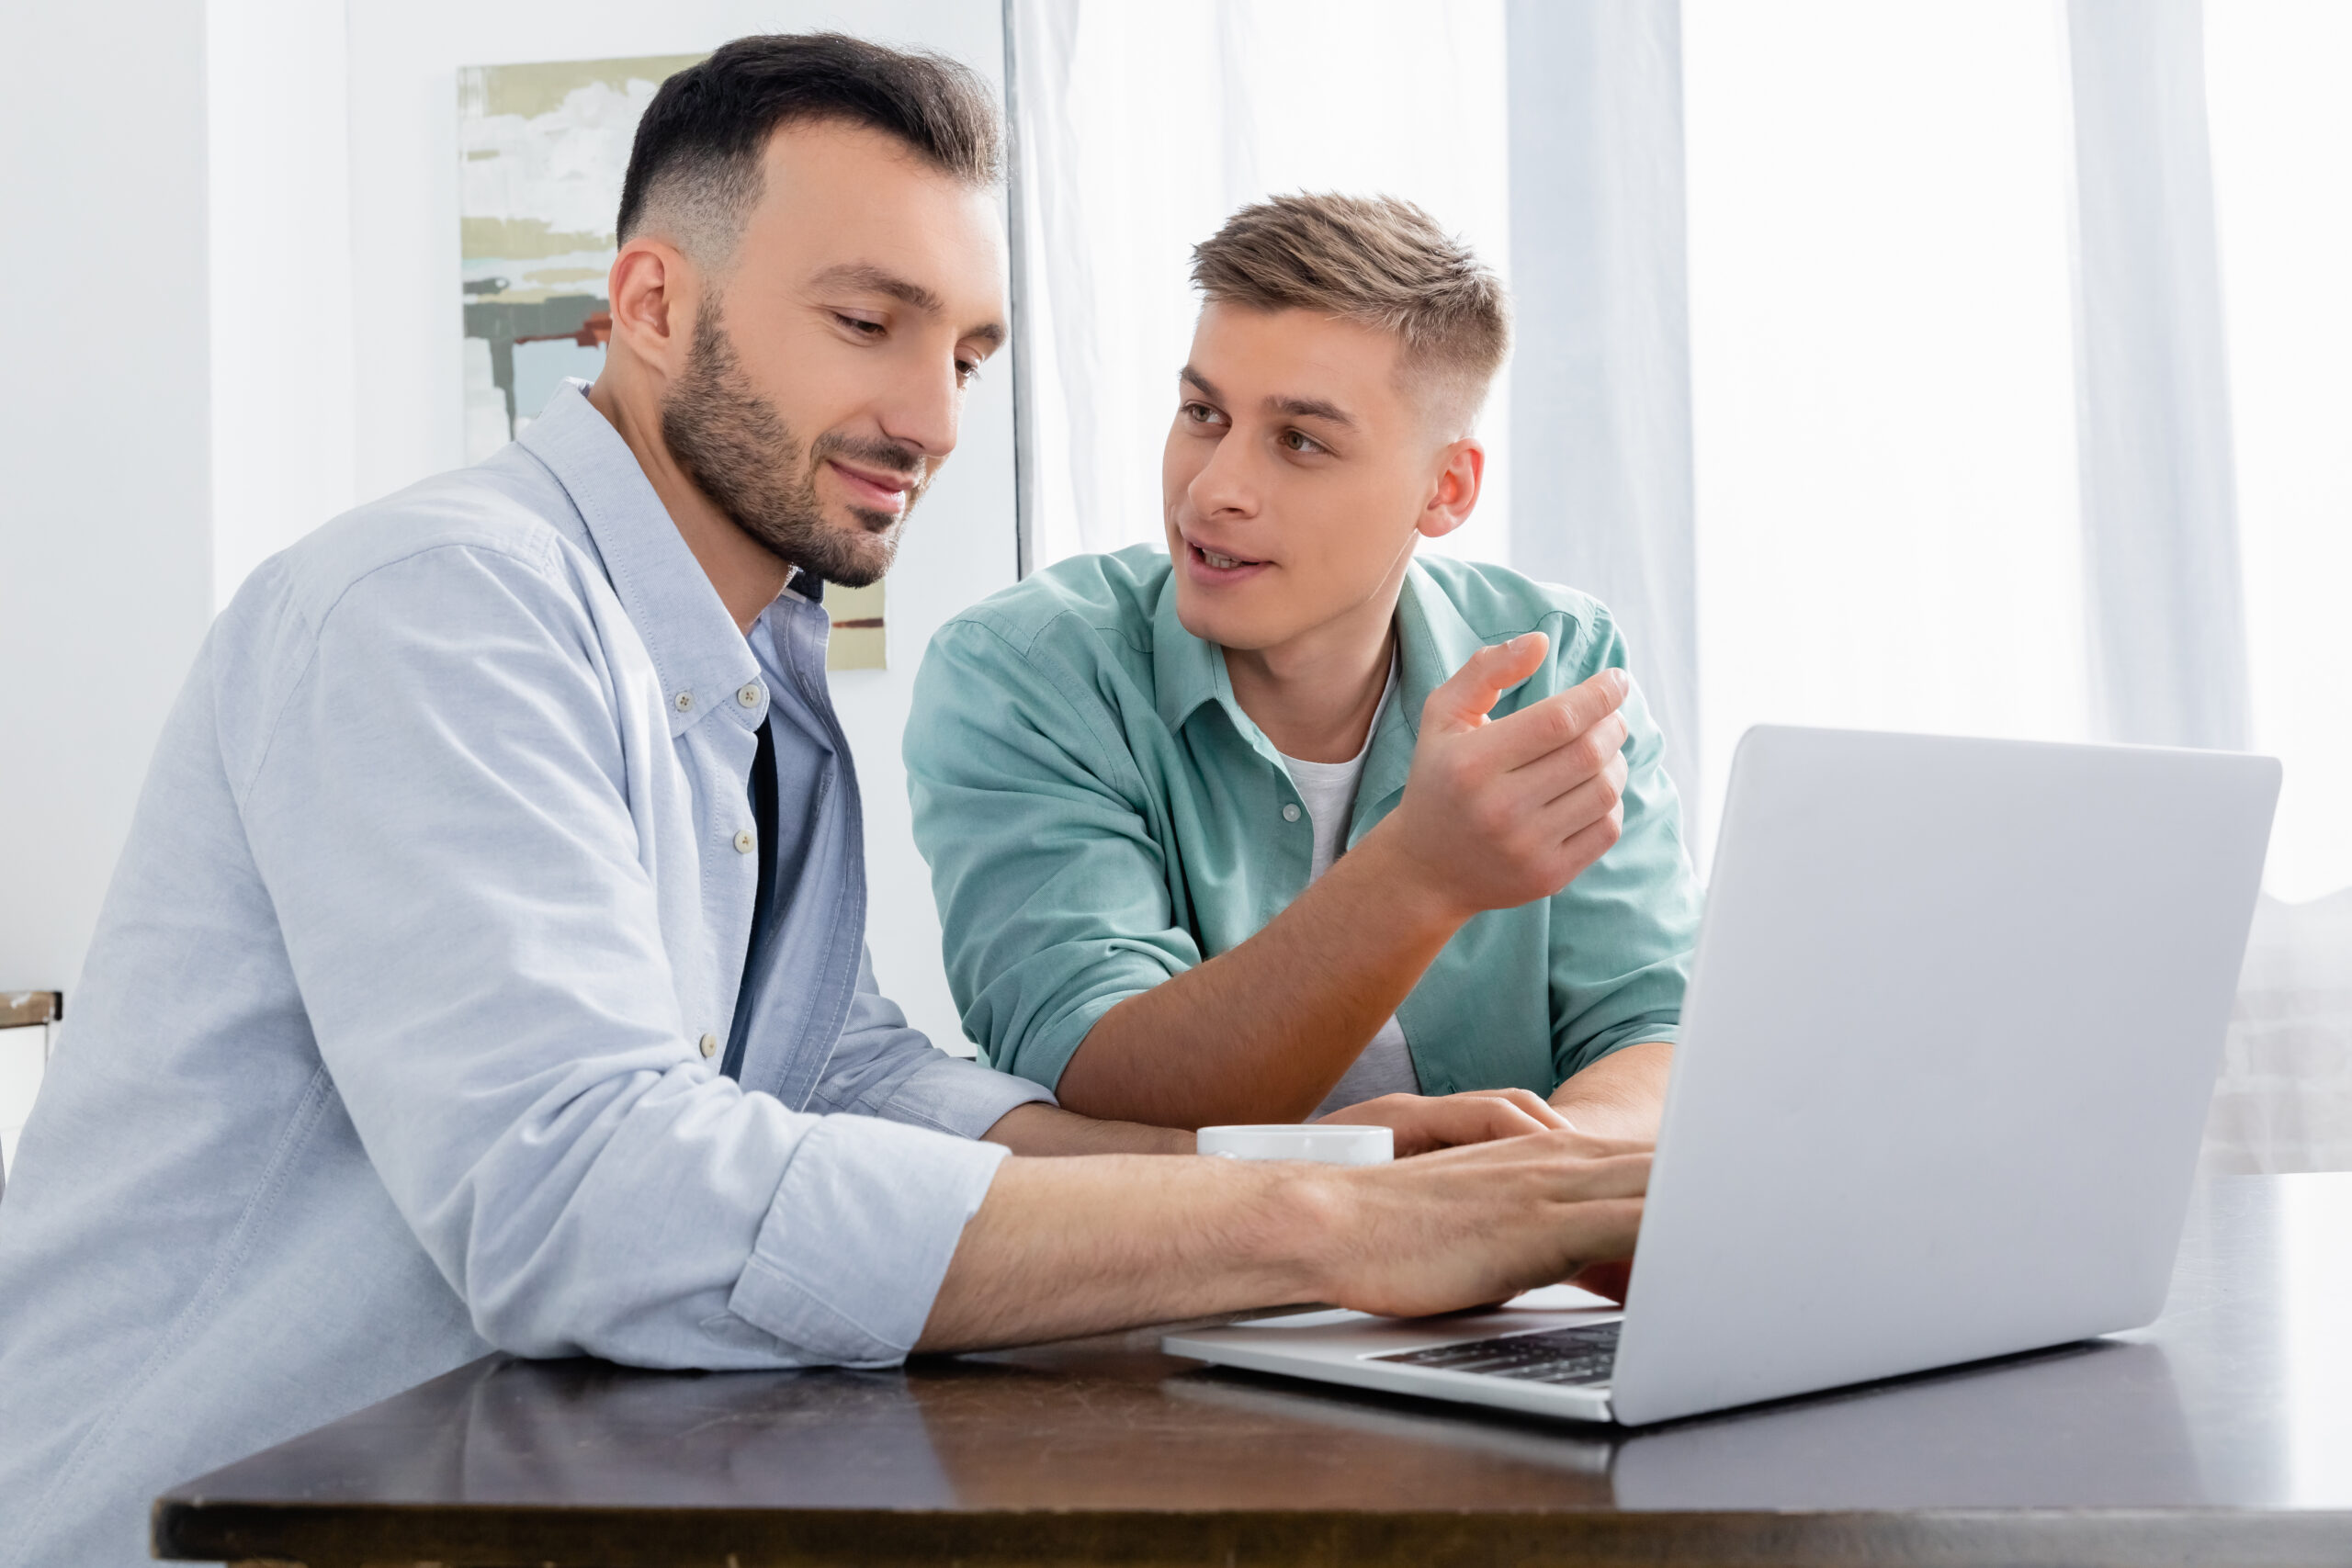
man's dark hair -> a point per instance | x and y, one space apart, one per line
695 163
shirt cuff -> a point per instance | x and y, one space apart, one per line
864 1224
952 1094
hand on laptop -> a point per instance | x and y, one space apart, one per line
1498 812
1423 1123
1482 1223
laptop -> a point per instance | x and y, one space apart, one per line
1952 1027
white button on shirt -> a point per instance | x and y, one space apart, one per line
1290 812
744 842
749 696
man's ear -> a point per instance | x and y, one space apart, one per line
1462 470
654 290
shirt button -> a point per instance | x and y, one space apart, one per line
749 696
1290 812
709 1046
685 701
744 842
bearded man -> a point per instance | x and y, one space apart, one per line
486 967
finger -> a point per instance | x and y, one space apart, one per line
1582 848
1535 1105
1458 1122
1462 700
1545 1153
1601 1231
1548 777
1478 1118
1611 1176
1562 818
1610 1279
1542 728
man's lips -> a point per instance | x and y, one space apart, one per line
1220 560
882 490
1214 568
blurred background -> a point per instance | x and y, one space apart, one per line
1966 366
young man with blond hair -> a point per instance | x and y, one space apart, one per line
1286 820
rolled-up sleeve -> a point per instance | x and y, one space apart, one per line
1052 887
1623 931
440 812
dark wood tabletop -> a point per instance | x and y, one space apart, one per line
2223 1434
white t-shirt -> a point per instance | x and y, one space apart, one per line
1328 790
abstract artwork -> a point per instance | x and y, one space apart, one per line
542 148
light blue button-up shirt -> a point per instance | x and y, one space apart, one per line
390 1048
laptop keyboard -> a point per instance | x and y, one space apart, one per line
1551 1355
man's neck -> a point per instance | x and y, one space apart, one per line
1315 697
747 575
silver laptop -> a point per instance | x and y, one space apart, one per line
1952 1027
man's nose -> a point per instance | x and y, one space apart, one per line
924 412
1225 485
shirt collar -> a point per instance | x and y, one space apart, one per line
1432 637
1185 671
700 654
1432 642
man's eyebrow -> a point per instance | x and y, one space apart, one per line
866 278
1289 407
1311 408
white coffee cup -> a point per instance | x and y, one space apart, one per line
1329 1143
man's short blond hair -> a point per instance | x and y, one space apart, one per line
1379 262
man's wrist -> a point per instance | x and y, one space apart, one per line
1407 886
1042 1131
1296 1232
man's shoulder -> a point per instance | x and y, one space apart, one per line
507 508
1495 601
1497 604
1087 607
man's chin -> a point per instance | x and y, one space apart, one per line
1219 624
857 552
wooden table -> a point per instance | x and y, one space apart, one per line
2222 1434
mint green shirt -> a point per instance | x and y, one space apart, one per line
1100 814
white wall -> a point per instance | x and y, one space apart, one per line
337 250
283 438
103 557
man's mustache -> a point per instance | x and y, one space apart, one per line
900 461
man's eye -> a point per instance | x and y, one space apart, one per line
859 325
967 372
1200 413
1299 441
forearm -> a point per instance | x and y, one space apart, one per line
1045 1130
1262 1033
1622 1095
1064 1247
1068 1246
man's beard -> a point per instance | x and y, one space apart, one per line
737 448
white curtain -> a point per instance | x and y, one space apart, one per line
1601 399
1137 128
2281 129
2279 83
1882 365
